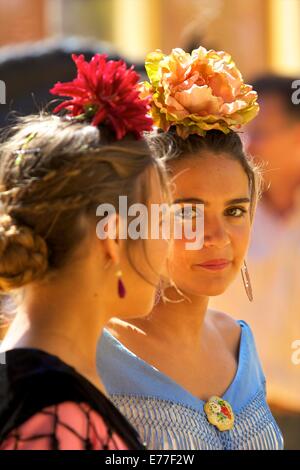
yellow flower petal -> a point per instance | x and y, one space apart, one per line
198 100
197 92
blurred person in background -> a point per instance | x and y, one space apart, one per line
274 254
29 70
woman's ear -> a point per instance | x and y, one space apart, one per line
108 232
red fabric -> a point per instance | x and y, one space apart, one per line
67 426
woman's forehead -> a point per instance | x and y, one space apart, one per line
209 179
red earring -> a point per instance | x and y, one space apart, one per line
121 286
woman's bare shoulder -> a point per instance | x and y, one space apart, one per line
228 328
125 331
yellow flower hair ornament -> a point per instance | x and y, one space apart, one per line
197 92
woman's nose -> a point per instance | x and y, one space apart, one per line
215 233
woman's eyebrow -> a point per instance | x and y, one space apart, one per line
190 200
238 200
195 200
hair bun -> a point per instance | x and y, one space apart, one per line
23 254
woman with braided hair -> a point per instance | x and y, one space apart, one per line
67 281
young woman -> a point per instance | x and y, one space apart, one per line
67 279
188 377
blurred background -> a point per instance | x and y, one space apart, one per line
259 33
263 36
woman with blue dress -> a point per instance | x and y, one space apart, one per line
188 377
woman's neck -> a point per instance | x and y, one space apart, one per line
61 321
166 320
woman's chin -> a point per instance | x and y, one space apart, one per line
211 290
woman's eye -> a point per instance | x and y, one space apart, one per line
187 213
236 212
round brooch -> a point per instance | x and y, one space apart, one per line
219 413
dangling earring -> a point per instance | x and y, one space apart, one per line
158 293
247 281
121 287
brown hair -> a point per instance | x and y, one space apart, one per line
64 171
170 147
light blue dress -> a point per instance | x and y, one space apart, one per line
169 417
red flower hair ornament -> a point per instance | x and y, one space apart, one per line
105 92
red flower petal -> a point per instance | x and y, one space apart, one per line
111 90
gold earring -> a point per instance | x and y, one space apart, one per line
247 281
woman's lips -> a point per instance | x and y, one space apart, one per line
215 265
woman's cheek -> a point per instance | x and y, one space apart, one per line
240 238
177 254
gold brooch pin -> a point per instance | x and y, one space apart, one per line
219 413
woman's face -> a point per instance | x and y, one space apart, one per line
221 184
